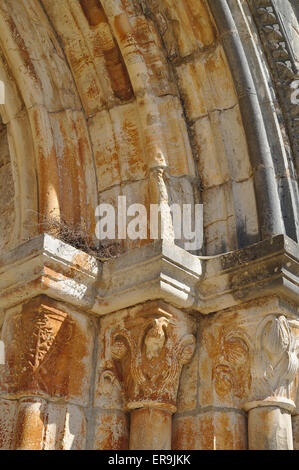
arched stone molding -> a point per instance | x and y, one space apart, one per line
157 110
143 110
155 100
43 105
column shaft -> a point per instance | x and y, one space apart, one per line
30 424
150 429
270 428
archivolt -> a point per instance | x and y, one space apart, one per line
147 145
49 140
126 97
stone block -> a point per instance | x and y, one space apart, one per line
128 138
156 434
180 158
65 427
206 85
8 410
224 364
105 150
7 191
188 388
111 431
213 169
269 428
149 43
212 430
295 426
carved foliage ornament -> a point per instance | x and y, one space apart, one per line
149 360
275 357
40 334
281 60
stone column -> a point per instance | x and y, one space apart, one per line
150 351
151 429
269 428
295 425
274 370
29 428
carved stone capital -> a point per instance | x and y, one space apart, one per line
36 337
149 351
274 363
249 356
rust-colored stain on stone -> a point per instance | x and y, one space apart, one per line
109 98
225 365
45 352
30 425
23 50
111 432
117 71
213 430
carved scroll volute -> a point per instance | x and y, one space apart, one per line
149 358
275 362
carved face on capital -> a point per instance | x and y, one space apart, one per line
231 372
257 361
155 338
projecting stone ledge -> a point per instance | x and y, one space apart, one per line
161 270
46 265
267 268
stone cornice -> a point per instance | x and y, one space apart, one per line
266 268
45 265
160 270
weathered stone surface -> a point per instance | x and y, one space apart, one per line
146 335
295 426
111 431
188 387
30 424
65 427
269 429
213 430
7 423
45 343
161 102
207 85
249 361
152 429
7 193
224 365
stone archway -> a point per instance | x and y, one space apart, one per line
159 101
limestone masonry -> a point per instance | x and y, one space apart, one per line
138 343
